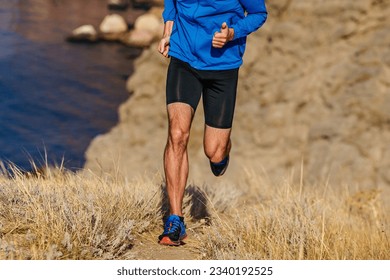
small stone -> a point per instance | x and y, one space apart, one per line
86 33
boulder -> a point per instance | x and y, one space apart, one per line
147 28
150 23
137 38
113 27
118 4
147 3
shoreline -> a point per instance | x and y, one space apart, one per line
56 96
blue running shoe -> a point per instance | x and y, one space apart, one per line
219 168
174 231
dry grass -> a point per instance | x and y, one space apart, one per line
62 215
302 222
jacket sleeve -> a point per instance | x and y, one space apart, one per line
255 18
169 12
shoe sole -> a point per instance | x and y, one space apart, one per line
168 242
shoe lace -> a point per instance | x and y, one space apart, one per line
173 226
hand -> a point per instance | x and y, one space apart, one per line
163 46
221 38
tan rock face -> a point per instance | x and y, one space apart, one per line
314 91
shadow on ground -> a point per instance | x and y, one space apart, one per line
195 203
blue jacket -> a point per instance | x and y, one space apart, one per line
196 21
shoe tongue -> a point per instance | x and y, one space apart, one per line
174 217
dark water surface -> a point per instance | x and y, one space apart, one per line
55 97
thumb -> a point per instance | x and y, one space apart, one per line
224 26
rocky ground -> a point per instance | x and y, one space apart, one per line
313 101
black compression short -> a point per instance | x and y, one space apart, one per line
217 87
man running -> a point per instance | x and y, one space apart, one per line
206 42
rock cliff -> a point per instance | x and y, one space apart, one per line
313 97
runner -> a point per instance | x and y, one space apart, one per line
206 41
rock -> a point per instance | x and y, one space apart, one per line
338 162
137 38
147 3
118 4
150 23
147 28
84 33
384 169
345 31
113 27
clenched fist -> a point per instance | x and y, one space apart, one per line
225 35
163 46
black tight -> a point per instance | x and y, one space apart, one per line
217 87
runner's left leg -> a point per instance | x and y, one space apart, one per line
217 143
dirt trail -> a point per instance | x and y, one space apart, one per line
147 248
195 203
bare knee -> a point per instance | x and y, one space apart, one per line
217 152
178 138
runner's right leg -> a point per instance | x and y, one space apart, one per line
180 117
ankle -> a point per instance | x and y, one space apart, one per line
219 161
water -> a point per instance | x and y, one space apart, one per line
55 97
